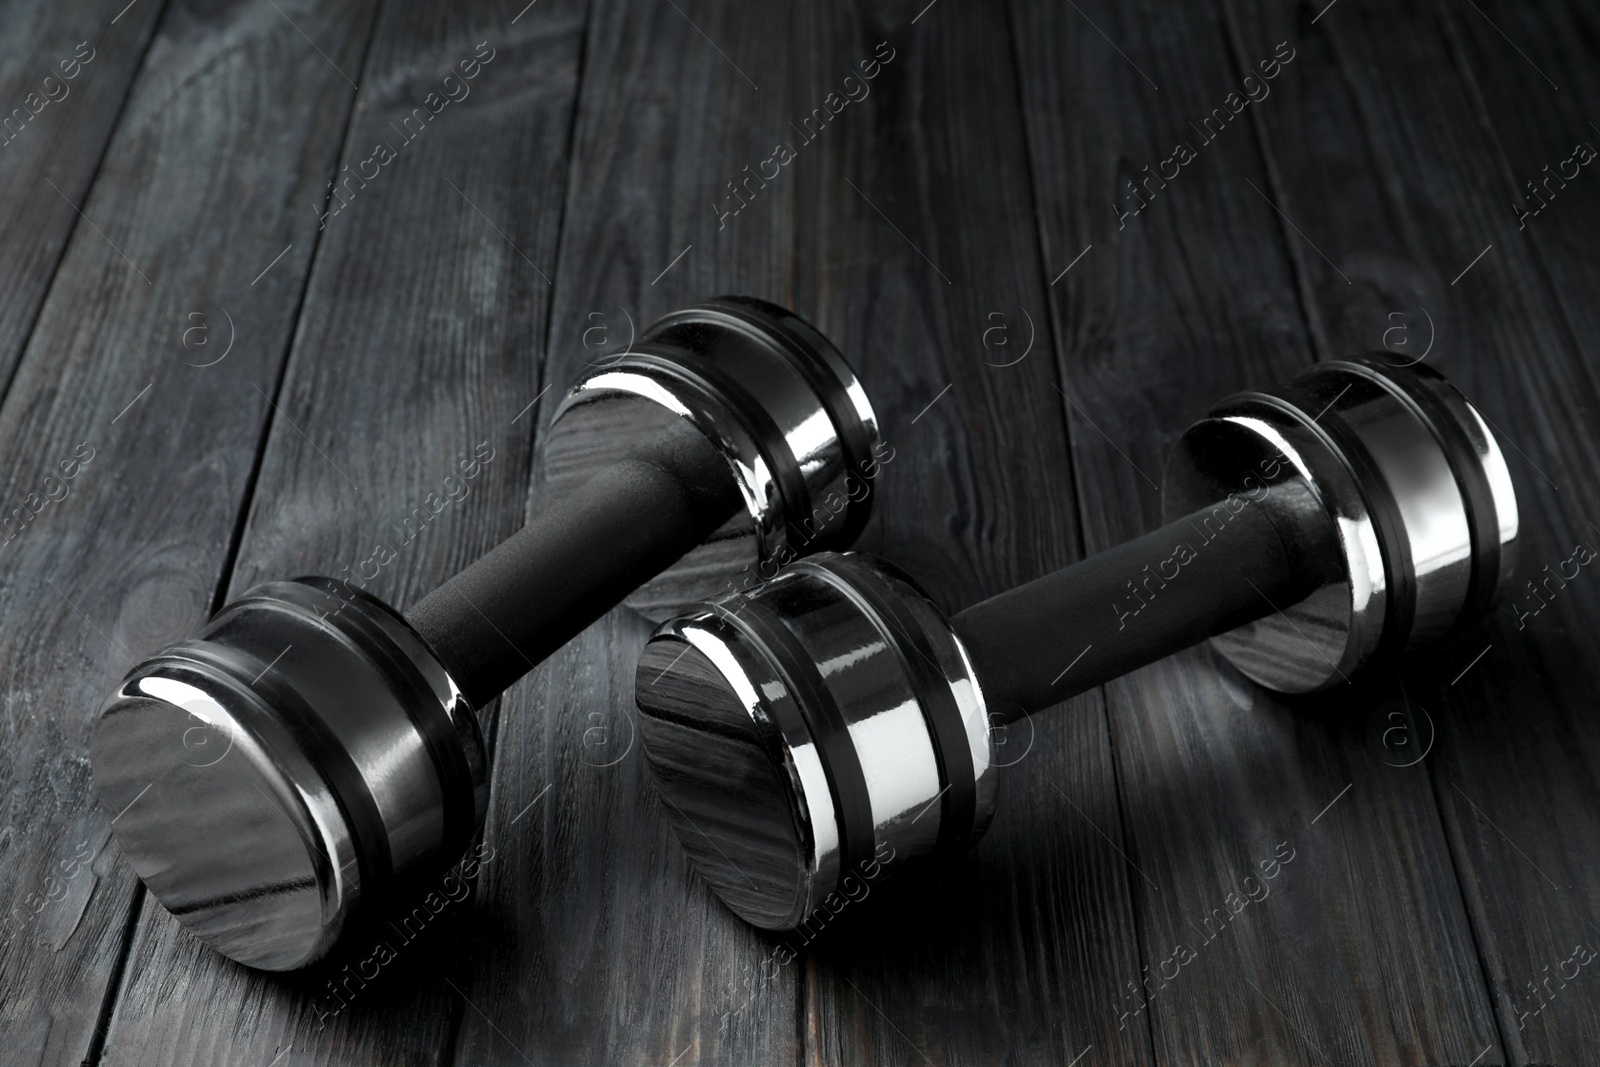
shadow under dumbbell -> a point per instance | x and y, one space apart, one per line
392 953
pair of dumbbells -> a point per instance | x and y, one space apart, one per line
312 750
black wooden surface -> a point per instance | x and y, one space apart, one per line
1032 357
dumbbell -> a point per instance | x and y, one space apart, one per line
807 734
313 751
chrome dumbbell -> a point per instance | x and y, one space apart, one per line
312 750
807 731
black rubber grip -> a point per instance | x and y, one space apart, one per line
583 553
1096 620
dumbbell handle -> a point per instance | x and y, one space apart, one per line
1098 619
581 555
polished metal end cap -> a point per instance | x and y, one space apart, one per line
777 400
809 734
300 753
1390 482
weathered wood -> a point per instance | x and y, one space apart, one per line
418 344
132 555
602 946
1455 113
1180 301
940 214
918 252
52 135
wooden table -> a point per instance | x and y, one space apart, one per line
246 380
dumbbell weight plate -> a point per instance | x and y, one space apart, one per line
796 730
789 414
1415 515
212 789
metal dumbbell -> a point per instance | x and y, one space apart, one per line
312 748
806 733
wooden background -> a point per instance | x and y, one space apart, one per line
261 394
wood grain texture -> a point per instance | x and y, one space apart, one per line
955 214
1515 764
52 137
600 946
418 345
132 556
1182 300
1532 917
918 253
1456 119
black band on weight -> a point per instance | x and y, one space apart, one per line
311 733
803 347
951 750
852 803
459 814
1400 607
1462 456
716 382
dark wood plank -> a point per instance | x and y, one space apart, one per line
419 343
1456 117
1394 140
600 945
1532 68
916 245
52 135
132 556
1360 950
